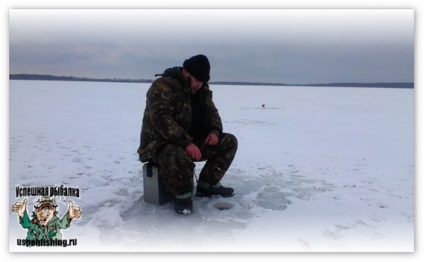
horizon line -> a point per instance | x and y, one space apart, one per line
141 80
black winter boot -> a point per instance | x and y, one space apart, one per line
183 204
206 190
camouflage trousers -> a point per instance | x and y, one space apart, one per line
177 168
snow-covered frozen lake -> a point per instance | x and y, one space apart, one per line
317 169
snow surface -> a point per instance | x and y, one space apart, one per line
317 169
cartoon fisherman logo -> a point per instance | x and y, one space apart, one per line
45 224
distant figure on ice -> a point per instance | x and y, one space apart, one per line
181 125
263 106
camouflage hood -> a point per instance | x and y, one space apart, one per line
174 72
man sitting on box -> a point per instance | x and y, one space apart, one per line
181 125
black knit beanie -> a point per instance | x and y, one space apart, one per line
199 67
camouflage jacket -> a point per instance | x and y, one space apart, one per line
168 113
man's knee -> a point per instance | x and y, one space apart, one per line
174 160
229 142
229 138
176 169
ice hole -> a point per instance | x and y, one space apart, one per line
223 205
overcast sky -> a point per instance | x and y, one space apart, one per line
285 46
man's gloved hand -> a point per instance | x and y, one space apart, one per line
212 139
193 151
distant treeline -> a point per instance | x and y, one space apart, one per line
382 84
72 78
